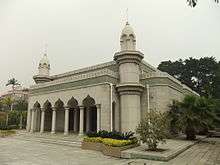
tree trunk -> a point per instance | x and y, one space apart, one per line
190 132
21 118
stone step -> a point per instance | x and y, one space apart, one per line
71 143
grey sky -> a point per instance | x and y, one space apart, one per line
81 33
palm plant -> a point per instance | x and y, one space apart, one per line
194 113
13 82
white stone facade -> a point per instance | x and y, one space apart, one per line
109 96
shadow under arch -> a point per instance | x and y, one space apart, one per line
90 114
60 115
48 116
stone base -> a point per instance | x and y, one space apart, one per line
106 150
171 149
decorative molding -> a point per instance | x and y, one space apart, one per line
128 56
130 89
73 78
87 69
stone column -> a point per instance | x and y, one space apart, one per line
76 111
42 120
28 127
98 107
32 120
81 124
53 129
88 119
66 126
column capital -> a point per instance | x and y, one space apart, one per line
54 109
98 106
66 108
43 109
81 107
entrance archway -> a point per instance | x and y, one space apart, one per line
73 115
60 115
90 114
48 116
37 118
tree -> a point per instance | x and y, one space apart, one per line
7 101
198 74
21 105
195 113
193 3
216 83
13 82
153 129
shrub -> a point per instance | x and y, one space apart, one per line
117 143
93 139
112 135
110 142
153 129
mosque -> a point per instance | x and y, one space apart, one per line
110 96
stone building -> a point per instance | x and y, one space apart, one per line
109 96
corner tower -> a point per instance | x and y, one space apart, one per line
43 71
129 87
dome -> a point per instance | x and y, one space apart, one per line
44 61
128 30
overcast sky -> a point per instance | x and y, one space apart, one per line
81 33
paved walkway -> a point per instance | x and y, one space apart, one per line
18 152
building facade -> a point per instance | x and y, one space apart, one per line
109 96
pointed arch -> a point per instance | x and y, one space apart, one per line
88 101
37 104
59 103
72 103
47 105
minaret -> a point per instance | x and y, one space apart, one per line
129 87
43 71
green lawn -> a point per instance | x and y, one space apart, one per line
5 133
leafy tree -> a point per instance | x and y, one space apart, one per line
193 3
13 82
153 129
7 102
21 105
216 83
198 74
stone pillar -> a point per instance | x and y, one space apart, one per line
88 119
66 126
81 124
32 120
76 111
42 120
98 107
28 127
53 129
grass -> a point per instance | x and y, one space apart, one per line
5 133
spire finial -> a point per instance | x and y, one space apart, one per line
127 17
45 49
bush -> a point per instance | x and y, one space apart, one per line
117 143
93 139
110 142
112 135
153 129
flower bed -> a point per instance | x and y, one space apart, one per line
107 145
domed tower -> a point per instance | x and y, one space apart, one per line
129 87
43 71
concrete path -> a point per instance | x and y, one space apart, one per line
20 152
